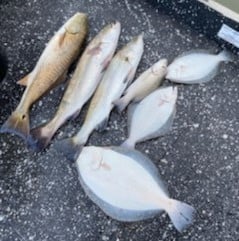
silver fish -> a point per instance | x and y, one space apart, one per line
83 83
126 185
147 82
120 72
152 117
196 66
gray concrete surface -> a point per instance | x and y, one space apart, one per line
40 196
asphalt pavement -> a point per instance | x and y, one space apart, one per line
40 196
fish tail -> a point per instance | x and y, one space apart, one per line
181 214
17 123
69 148
40 137
226 56
128 144
121 104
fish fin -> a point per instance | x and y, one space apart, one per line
162 130
121 104
128 144
205 79
193 51
130 76
73 117
23 81
95 50
62 78
226 56
40 137
69 148
145 162
131 109
115 212
139 98
17 123
181 214
102 126
106 62
62 38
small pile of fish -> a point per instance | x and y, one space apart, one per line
49 71
121 181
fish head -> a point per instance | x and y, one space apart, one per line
160 67
131 54
110 33
168 94
77 23
175 70
134 50
90 158
105 43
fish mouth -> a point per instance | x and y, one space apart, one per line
160 66
115 23
77 23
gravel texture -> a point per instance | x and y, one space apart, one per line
40 196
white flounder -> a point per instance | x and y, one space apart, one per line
195 67
126 185
152 117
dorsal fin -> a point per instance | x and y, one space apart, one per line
194 51
62 38
23 81
131 110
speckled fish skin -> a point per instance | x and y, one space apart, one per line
126 185
50 69
195 67
152 117
120 72
147 82
83 83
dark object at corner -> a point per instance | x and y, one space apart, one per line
3 65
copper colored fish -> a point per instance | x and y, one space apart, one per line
49 71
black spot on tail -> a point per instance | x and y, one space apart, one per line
18 124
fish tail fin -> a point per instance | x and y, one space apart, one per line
17 123
181 214
69 148
40 137
128 144
121 104
226 56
